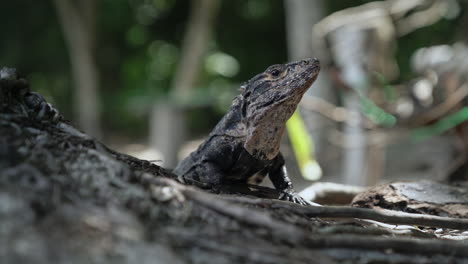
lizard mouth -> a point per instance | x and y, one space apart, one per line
311 64
306 73
308 69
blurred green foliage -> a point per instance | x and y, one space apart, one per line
441 126
376 114
138 47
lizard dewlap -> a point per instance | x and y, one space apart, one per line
244 145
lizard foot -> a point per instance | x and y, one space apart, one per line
293 197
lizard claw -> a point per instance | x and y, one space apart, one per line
293 197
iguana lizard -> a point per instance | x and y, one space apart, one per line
244 145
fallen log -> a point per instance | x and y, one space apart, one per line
67 198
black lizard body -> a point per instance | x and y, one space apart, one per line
244 145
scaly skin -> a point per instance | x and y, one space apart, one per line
244 145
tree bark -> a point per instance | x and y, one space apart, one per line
67 198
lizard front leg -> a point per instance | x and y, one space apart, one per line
279 177
205 175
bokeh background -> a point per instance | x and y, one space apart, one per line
152 77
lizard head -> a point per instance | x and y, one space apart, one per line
269 99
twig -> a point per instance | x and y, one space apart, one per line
387 216
383 215
343 241
421 18
404 245
221 202
440 110
331 111
258 252
223 206
298 236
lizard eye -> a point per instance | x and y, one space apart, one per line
275 73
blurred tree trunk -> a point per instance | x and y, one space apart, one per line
350 52
169 137
301 16
461 30
78 21
198 34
